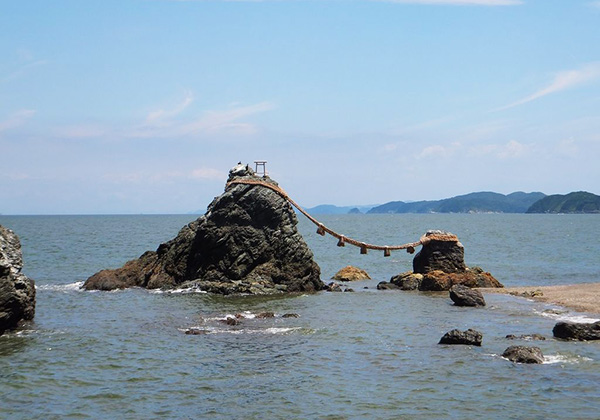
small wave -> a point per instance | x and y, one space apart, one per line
561 358
234 331
187 290
567 316
61 287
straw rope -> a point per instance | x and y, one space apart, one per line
342 239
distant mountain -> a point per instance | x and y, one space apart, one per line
331 209
478 202
575 202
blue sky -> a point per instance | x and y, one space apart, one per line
142 106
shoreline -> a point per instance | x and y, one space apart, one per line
583 297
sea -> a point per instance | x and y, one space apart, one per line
371 354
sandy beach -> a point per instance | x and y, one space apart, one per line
584 297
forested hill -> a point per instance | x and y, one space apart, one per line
575 202
478 202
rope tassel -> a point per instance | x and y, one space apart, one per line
363 248
410 249
342 241
321 230
387 252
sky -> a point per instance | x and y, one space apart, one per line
143 106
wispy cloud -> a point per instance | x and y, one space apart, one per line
460 2
595 4
562 81
160 116
16 119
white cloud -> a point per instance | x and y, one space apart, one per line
160 116
16 119
460 2
562 81
208 174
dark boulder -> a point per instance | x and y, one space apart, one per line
384 285
469 337
528 337
577 331
17 292
523 354
465 296
440 251
407 281
246 243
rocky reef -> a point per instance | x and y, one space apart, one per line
440 265
246 243
17 291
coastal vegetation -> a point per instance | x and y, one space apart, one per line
575 202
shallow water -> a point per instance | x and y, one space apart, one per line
369 354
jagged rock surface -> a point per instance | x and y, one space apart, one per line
577 331
247 242
523 354
17 292
350 273
465 296
469 337
447 256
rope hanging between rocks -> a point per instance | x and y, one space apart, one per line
343 240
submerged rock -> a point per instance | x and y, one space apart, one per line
464 296
523 354
384 285
407 280
17 291
247 242
577 331
350 273
469 337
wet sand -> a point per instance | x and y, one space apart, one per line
584 297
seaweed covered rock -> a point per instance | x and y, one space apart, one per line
247 242
17 292
524 354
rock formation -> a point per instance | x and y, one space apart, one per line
469 337
577 331
350 273
465 296
17 292
440 265
247 242
523 354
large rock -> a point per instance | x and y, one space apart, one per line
523 354
577 331
469 337
441 251
440 265
350 273
247 242
465 296
17 292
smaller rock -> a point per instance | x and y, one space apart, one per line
349 290
290 315
384 285
577 331
465 296
536 337
195 331
334 287
350 273
230 321
469 337
407 280
265 315
523 354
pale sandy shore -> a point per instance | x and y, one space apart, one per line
584 297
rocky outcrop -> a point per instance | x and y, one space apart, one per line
465 296
350 273
246 243
523 354
577 331
440 265
469 337
17 292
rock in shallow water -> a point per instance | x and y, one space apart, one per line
523 354
350 273
577 331
246 243
465 296
17 292
469 337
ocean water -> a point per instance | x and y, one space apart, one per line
369 354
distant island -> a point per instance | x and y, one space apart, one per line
480 202
575 202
